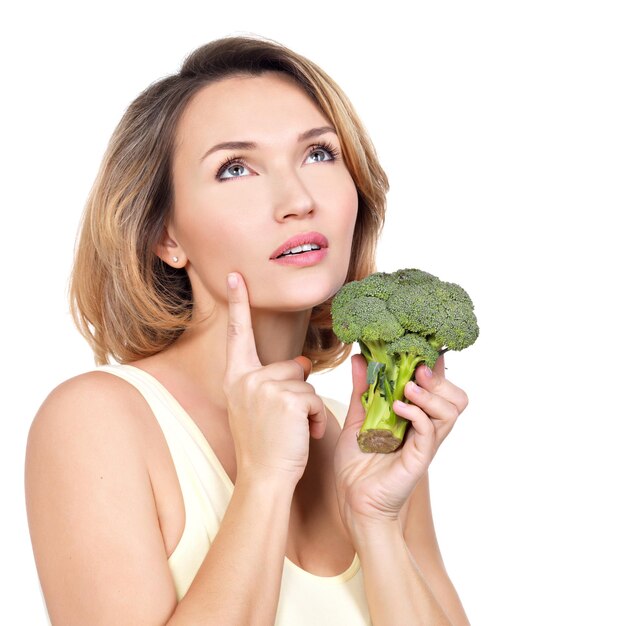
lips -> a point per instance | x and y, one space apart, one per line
299 240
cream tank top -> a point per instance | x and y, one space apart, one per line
305 599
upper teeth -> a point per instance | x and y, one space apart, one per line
304 248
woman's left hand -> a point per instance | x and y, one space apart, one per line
373 487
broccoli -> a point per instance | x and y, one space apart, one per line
399 320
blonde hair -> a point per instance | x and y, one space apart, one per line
128 303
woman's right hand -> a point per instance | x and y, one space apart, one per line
272 411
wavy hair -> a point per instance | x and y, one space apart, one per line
124 299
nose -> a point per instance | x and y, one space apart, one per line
292 198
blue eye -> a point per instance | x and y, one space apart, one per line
323 154
325 151
234 167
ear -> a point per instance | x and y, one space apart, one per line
169 250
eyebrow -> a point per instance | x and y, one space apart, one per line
250 145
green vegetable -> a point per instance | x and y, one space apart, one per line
399 320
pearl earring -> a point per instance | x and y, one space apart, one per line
175 259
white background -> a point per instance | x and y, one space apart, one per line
501 126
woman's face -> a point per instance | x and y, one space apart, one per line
235 206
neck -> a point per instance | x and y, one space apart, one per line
199 354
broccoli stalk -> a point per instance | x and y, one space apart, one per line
387 374
399 320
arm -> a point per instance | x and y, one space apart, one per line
397 591
239 580
378 492
421 540
95 529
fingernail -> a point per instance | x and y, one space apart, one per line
232 281
427 371
414 388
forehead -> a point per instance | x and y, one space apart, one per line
248 107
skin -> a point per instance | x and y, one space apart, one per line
216 225
239 376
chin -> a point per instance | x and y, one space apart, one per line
293 296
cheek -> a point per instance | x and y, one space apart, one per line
216 244
220 245
218 222
346 216
204 236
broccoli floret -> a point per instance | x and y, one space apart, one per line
411 277
365 317
399 320
447 319
379 285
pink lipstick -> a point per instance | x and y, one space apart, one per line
301 250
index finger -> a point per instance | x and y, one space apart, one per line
424 374
241 354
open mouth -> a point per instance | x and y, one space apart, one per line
301 245
302 250
307 247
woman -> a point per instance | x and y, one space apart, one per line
201 479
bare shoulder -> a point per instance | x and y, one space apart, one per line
92 409
89 497
88 395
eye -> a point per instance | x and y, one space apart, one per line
323 152
233 167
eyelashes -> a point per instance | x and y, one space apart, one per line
238 160
227 163
334 153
